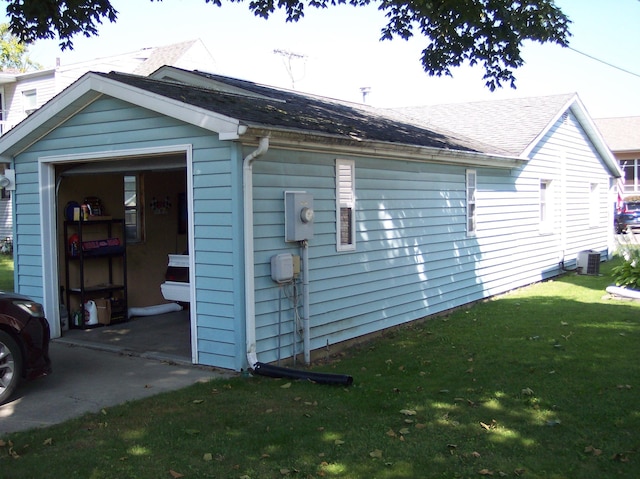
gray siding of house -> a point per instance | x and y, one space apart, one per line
413 256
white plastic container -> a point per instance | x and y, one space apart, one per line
91 313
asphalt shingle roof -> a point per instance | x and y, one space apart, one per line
621 134
270 107
510 125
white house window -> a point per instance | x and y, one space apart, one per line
345 205
29 101
546 206
594 204
471 202
631 175
132 211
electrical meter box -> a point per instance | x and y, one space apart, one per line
282 268
298 216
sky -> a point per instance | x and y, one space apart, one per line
338 52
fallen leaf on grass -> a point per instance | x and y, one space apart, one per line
47 442
593 450
527 391
485 472
488 426
408 412
520 471
338 442
404 431
13 453
207 457
377 453
198 401
619 456
285 386
391 433
175 474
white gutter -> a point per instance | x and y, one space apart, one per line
249 286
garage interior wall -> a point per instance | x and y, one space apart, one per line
147 260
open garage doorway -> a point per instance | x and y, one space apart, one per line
140 201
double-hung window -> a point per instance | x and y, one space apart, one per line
594 205
471 202
546 206
132 211
345 205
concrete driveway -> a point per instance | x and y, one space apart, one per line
87 380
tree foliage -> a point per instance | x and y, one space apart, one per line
488 32
14 53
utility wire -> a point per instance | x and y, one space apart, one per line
604 62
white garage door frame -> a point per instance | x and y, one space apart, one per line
49 215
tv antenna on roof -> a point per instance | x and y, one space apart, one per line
365 91
287 59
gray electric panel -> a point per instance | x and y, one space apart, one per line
298 216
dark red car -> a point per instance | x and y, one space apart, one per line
24 342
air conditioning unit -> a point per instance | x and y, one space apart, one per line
588 262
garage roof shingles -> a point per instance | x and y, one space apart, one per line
282 109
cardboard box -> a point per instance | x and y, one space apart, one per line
104 310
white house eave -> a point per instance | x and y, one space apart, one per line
577 108
90 87
301 141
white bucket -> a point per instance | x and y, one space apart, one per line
91 313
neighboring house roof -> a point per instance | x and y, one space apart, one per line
622 134
190 54
515 125
44 84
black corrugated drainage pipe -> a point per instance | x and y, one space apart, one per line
320 378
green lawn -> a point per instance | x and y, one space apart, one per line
539 383
6 273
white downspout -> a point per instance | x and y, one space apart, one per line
249 286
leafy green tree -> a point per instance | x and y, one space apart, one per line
14 53
489 32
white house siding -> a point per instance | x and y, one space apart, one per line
413 256
45 90
217 235
6 218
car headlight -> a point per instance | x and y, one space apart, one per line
30 307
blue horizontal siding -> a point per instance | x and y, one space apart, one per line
413 257
109 125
